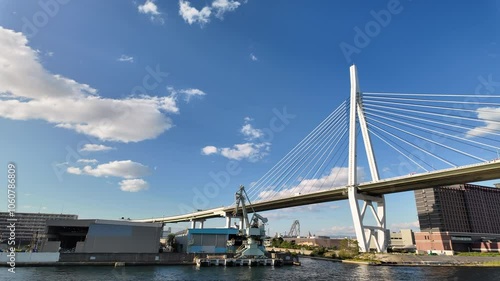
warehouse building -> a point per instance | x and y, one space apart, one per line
208 240
101 236
30 227
402 241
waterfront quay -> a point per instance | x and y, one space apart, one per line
310 270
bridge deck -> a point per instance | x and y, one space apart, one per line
464 174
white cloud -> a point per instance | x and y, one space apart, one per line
133 185
20 64
207 150
218 8
336 178
124 169
72 105
277 215
223 6
189 93
250 132
192 15
87 161
347 230
491 117
150 8
253 57
89 147
74 170
49 54
128 170
405 225
251 151
125 58
169 104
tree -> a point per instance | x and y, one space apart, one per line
170 239
320 251
276 242
285 244
171 243
348 248
344 244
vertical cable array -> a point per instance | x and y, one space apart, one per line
309 161
423 131
435 131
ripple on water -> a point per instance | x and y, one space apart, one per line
310 270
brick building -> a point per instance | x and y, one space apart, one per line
461 217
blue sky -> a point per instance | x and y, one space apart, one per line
126 108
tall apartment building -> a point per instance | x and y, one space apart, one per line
462 217
459 208
29 226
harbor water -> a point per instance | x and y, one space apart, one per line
310 270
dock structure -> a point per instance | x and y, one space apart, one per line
225 261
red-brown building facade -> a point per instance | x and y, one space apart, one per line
460 218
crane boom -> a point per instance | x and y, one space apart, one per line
240 199
251 229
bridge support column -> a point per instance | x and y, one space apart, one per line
193 224
228 221
365 233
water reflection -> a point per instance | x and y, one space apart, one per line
310 270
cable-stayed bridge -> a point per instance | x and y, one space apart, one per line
418 140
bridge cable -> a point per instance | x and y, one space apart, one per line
308 156
294 155
280 163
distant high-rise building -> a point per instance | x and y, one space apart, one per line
29 226
459 208
458 218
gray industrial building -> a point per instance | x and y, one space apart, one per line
101 236
30 227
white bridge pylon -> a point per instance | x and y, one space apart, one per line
364 233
